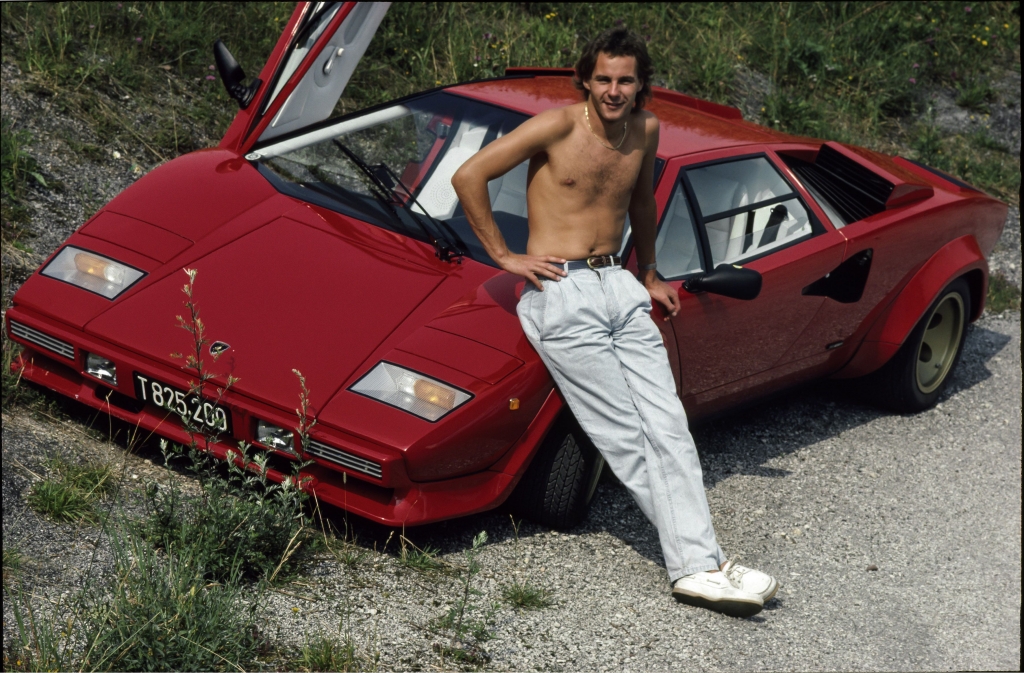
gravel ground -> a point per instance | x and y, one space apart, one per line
813 487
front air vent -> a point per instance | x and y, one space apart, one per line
345 459
52 344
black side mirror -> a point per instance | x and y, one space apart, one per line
728 280
233 77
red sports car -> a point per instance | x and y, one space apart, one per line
337 246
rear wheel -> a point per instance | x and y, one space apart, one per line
560 482
916 376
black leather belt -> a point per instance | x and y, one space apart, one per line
593 262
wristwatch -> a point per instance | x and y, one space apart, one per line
649 267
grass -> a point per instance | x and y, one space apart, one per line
842 70
975 95
413 557
1002 294
157 612
324 653
71 494
164 614
13 559
466 623
18 170
526 596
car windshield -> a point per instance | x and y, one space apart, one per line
367 165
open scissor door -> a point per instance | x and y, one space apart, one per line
308 70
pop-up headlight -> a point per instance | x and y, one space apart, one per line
92 272
101 368
274 437
408 390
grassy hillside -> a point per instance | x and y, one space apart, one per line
848 71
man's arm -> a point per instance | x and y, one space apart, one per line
643 216
470 182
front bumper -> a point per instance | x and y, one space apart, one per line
392 500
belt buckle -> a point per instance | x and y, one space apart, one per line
592 260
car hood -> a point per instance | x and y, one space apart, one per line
284 296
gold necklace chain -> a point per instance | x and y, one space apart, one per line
586 113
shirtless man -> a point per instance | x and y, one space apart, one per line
590 164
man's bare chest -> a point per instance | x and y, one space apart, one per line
588 168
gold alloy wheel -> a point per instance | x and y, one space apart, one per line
940 342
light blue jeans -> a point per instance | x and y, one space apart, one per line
594 331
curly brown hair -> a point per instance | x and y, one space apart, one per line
617 42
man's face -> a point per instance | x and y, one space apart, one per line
613 86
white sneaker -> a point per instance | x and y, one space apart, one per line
716 591
754 581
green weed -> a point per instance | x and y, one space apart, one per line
415 558
1002 294
71 494
971 159
244 525
39 641
13 559
526 596
163 614
17 170
157 612
323 653
466 622
975 94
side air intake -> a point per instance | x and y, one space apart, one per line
52 344
345 459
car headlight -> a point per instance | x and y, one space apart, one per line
410 391
101 368
274 437
91 271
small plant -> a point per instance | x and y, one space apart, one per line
244 525
975 95
526 596
71 495
458 621
163 614
17 169
323 653
40 639
415 558
1002 294
12 563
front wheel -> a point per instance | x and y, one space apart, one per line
916 376
560 482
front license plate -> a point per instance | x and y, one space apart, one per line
203 414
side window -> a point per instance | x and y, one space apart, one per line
747 209
677 248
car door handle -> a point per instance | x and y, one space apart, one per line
330 61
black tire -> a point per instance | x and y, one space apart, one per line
913 380
560 482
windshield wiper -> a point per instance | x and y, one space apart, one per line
442 249
456 250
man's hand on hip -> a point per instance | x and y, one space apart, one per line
664 294
532 266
